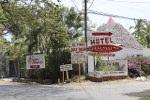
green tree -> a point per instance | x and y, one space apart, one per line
42 29
142 32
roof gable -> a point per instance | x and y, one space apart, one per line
110 21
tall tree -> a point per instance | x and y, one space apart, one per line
41 27
142 32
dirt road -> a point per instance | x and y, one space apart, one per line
127 89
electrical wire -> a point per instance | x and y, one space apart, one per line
30 3
112 15
122 5
91 5
116 3
75 5
127 1
99 3
143 5
107 14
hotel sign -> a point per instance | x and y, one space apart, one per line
101 42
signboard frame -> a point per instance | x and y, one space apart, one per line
35 61
78 53
120 64
66 67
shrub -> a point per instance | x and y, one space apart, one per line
134 65
138 65
146 65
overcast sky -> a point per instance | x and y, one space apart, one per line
126 8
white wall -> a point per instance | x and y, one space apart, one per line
90 64
130 51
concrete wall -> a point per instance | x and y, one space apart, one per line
130 51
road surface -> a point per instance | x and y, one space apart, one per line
112 90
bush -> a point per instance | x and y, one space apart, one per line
146 66
134 65
138 65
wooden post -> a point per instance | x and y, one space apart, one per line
67 75
79 72
94 63
38 74
63 77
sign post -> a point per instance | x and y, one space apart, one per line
101 44
63 69
67 75
63 77
79 72
35 62
78 55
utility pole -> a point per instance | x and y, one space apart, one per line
85 20
85 28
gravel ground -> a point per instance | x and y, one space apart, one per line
126 89
7 82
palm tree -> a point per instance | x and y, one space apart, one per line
142 32
147 33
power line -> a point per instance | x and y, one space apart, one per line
124 7
91 5
75 5
112 15
140 5
127 1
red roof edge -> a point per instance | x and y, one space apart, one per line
110 21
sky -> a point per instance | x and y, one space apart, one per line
139 9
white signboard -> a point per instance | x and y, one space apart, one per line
35 61
65 67
78 53
78 57
112 67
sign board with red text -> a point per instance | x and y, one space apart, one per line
35 61
104 48
101 42
99 38
78 53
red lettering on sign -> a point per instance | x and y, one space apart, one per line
34 66
92 42
104 48
102 40
111 41
96 41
